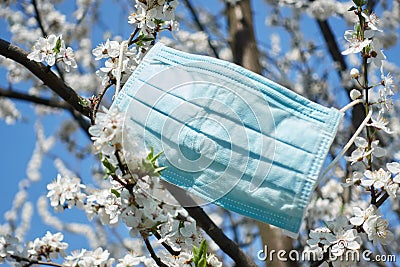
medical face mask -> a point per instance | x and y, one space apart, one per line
229 136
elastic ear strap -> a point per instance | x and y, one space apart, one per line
351 104
119 69
349 143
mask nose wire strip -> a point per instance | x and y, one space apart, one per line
349 143
119 69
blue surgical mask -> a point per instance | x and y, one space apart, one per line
229 136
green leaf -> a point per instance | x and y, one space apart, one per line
83 102
110 169
115 192
150 162
200 254
352 8
147 39
156 157
159 170
202 262
142 38
150 155
203 247
359 3
56 49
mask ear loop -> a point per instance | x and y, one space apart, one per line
119 69
351 141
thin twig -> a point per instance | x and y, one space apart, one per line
34 99
200 26
130 40
55 83
98 101
165 245
31 261
333 47
153 254
214 232
44 32
382 199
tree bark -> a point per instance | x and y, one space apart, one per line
245 53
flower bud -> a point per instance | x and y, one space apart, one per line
355 94
354 73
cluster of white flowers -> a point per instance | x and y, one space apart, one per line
8 248
110 51
149 18
83 258
337 238
128 198
107 131
52 50
8 111
151 15
373 224
191 42
181 235
363 150
344 235
66 190
49 246
359 39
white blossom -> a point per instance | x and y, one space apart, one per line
354 179
377 230
345 240
8 111
68 58
66 190
213 261
50 245
181 236
73 259
99 257
393 167
372 21
52 49
378 178
331 189
376 53
362 151
109 49
321 236
44 49
355 94
360 216
107 131
355 44
130 260
354 73
380 123
8 246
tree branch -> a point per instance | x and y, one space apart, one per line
200 25
34 99
31 261
214 232
45 75
98 100
332 45
152 253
